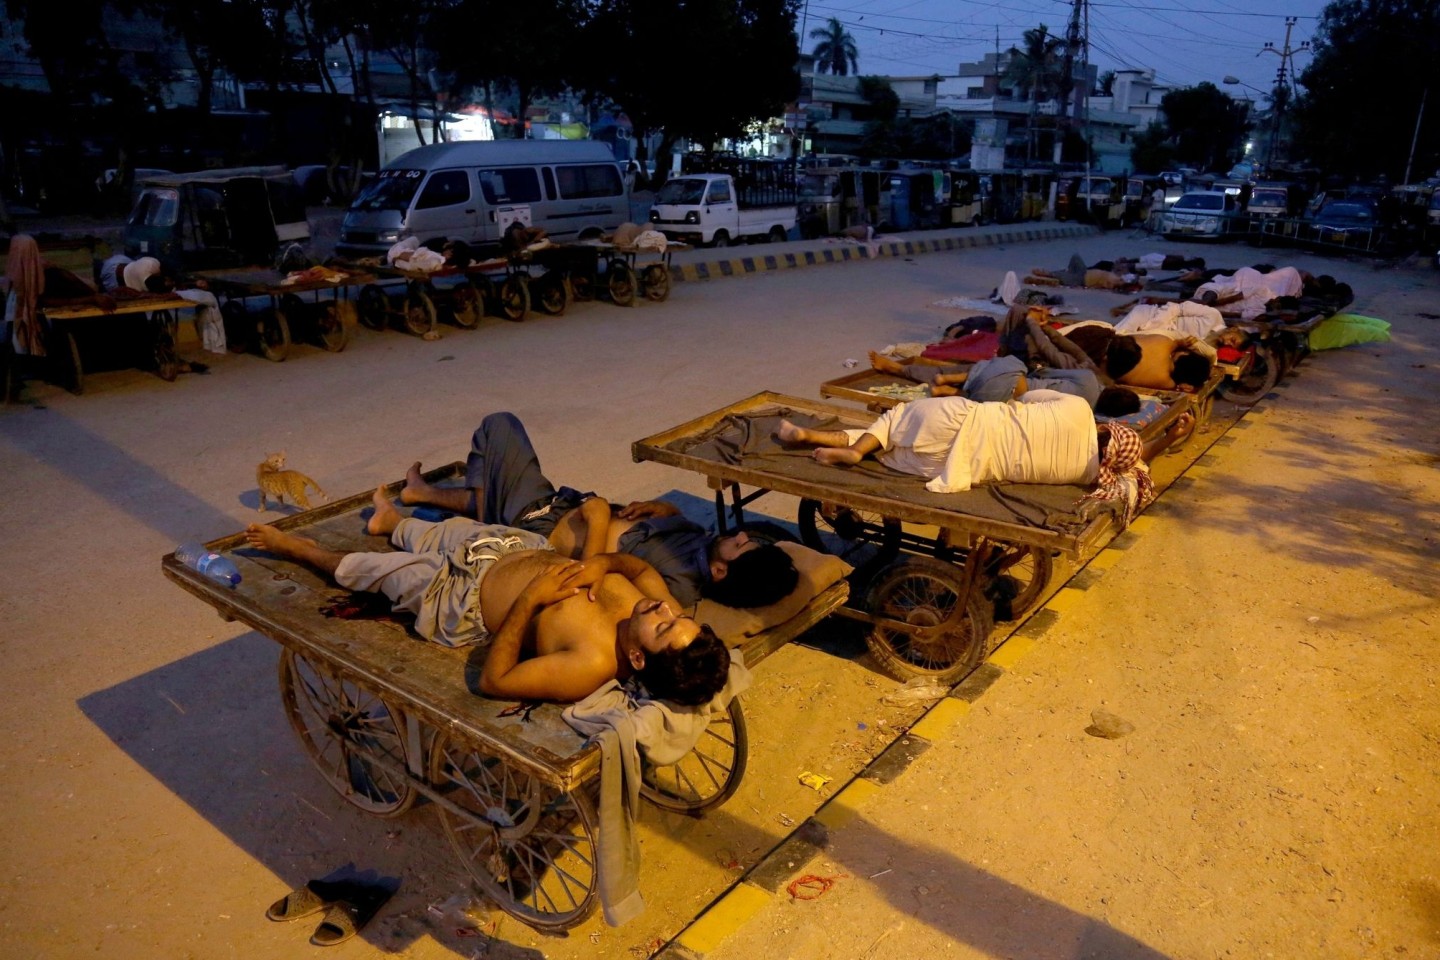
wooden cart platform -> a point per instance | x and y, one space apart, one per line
289 316
159 311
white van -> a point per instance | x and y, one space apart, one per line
473 190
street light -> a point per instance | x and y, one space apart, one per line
1230 81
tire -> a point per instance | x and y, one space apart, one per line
466 306
75 376
924 592
419 309
1030 568
582 286
167 361
513 299
822 524
1259 380
622 283
330 331
528 846
720 240
709 774
238 328
554 294
295 313
655 281
341 726
777 234
273 335
372 307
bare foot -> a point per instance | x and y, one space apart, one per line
262 536
838 455
787 432
385 518
943 390
416 490
885 364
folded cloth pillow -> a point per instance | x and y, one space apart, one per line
817 571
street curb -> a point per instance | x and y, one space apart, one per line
743 266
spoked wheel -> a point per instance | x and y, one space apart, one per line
823 523
330 329
1028 570
371 307
622 283
582 286
925 592
466 306
296 313
167 361
655 281
1259 380
554 294
514 299
708 775
238 328
528 846
76 383
419 309
273 335
342 727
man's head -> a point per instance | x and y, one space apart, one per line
748 573
676 658
1191 370
1117 402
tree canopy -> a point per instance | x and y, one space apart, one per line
1204 124
836 52
1037 72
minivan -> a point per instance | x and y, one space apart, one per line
473 190
1202 213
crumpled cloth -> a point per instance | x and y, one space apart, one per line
626 723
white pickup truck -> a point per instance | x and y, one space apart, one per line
707 208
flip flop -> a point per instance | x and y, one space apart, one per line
346 917
301 902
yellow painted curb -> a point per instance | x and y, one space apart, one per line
1011 651
845 805
1106 559
1065 599
937 722
1141 524
728 914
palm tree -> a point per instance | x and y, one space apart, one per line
1036 71
836 49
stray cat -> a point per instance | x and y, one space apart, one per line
275 480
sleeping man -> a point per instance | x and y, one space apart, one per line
1044 437
557 629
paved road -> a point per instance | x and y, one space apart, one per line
157 801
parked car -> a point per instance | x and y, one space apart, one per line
1204 213
1351 222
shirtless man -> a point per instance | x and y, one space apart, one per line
557 629
504 485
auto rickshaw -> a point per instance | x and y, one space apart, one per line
242 216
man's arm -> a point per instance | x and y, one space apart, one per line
596 514
645 577
566 675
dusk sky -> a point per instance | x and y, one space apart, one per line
1183 41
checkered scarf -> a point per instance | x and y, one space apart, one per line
1123 475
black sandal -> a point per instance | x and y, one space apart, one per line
347 916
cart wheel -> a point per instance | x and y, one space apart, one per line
466 306
330 327
708 775
822 523
295 312
167 361
924 592
237 326
372 307
554 294
1259 380
1030 569
273 334
514 298
622 284
9 376
419 310
530 847
76 374
582 286
655 281
343 728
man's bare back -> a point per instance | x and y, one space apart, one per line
1156 367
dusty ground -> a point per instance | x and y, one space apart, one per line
1270 638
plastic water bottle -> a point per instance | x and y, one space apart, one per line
217 568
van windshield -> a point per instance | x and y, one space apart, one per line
391 190
156 208
685 190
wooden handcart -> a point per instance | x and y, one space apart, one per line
290 314
461 296
159 322
386 718
931 560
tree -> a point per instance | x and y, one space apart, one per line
1152 150
836 49
1373 62
1204 124
216 34
1035 71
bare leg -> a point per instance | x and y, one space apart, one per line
950 380
886 364
265 537
850 454
385 518
455 499
788 432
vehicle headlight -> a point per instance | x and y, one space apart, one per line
1210 223
654 216
693 216
388 236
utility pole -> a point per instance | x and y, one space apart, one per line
1280 95
1068 116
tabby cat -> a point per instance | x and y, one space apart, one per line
275 480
